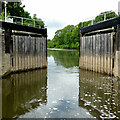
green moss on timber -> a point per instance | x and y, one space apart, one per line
6 74
118 78
21 70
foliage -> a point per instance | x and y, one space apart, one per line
109 14
17 9
69 36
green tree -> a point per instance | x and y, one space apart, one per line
69 36
17 9
109 14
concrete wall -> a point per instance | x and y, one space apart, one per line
26 53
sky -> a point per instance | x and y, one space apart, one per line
57 14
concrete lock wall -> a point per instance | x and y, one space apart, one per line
26 53
97 54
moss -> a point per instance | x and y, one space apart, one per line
118 78
6 74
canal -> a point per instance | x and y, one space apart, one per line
61 91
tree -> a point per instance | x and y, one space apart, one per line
38 21
17 9
69 36
109 14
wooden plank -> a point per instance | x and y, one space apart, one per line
98 53
81 53
94 53
96 61
86 50
13 67
40 52
85 53
8 40
44 52
12 26
118 38
108 53
105 52
36 52
101 67
107 47
15 52
102 25
33 49
92 57
112 53
102 52
19 53
91 53
30 49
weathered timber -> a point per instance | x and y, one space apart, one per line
102 25
7 40
96 53
100 47
18 27
22 50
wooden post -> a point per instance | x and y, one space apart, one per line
119 98
8 33
0 67
117 52
116 43
118 38
80 46
1 47
45 45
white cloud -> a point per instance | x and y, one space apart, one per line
65 12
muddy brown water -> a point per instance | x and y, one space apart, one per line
61 91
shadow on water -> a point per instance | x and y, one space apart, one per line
99 94
23 92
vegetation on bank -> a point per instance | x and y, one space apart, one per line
69 36
17 9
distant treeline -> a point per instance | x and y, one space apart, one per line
17 9
69 36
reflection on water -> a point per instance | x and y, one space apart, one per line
99 94
23 92
61 91
66 58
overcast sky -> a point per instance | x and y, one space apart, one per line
59 13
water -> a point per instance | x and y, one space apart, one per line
60 91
